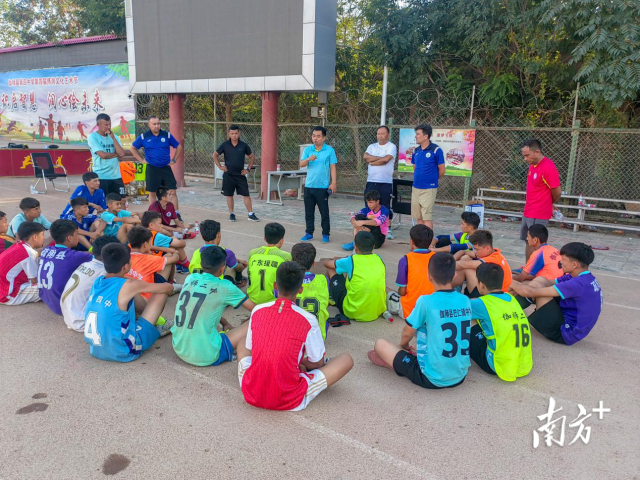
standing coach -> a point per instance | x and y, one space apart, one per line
429 167
106 153
157 145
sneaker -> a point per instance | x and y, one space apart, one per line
253 218
348 246
376 360
232 217
390 235
325 238
182 269
307 237
165 328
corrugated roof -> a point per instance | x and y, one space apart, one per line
62 43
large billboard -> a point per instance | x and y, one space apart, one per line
457 146
60 105
217 46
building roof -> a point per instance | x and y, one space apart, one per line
62 43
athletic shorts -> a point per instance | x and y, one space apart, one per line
548 320
378 237
316 382
234 184
113 186
478 349
28 293
226 351
406 365
160 177
146 333
338 290
527 222
422 201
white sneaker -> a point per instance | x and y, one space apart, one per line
390 235
165 328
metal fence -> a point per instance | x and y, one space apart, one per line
597 162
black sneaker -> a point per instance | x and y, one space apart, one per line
232 217
253 218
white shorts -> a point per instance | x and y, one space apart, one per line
28 294
316 381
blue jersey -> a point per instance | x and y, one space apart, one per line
443 322
114 334
97 198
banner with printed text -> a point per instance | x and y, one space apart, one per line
59 105
457 146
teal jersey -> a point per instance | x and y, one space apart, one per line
202 302
113 227
443 322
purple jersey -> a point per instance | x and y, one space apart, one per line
581 303
57 264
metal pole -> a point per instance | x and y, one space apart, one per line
215 120
383 108
575 105
573 155
473 97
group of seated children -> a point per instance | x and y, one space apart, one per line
117 293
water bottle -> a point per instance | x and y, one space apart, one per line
581 201
387 316
196 229
557 214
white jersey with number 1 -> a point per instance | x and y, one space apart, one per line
76 292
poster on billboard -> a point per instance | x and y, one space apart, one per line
60 105
457 147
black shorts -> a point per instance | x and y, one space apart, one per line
113 186
473 293
378 237
548 320
160 177
528 222
478 349
445 241
406 365
338 290
234 183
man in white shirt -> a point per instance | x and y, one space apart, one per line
381 158
76 291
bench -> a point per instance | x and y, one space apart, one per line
488 195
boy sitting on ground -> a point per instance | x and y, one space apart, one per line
202 302
89 226
31 212
413 272
314 297
91 192
358 282
118 221
501 341
58 262
374 218
483 252
171 223
457 242
264 262
5 240
119 324
442 322
76 291
162 244
146 267
211 233
567 308
545 259
19 266
281 364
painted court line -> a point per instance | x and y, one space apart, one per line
621 306
310 424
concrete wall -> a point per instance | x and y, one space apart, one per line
96 53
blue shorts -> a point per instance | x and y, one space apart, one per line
147 334
157 278
226 351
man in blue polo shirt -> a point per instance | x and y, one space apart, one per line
320 160
157 145
429 166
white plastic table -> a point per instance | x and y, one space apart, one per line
279 180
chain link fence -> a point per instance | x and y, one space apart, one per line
601 162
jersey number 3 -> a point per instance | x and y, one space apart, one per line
452 340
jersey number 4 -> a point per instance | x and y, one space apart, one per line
91 328
452 338
181 314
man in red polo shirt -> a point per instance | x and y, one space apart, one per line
543 188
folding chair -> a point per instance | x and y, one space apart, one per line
44 169
399 203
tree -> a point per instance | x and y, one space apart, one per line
102 17
42 21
